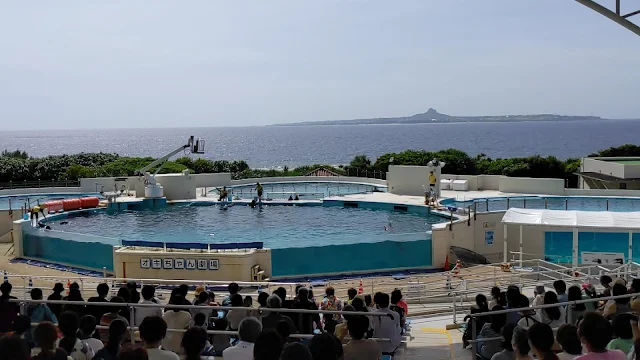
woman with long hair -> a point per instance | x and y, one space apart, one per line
492 330
575 310
480 307
552 316
117 334
542 340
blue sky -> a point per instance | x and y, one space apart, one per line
97 64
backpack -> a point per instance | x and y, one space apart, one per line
103 354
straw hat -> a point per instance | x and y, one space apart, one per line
199 289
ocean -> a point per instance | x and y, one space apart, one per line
275 146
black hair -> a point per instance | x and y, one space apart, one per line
6 287
351 293
553 313
268 346
575 294
117 332
68 325
199 319
498 320
481 301
560 286
383 300
325 346
522 301
495 292
87 326
116 300
176 300
358 326
295 351
596 331
233 288
358 304
303 294
220 324
57 354
262 299
617 290
75 295
193 342
605 279
512 294
236 300
368 300
133 353
567 337
14 348
183 290
148 292
45 335
21 324
203 297
520 341
124 293
507 335
541 338
153 329
282 293
621 325
36 294
103 289
330 291
635 285
396 295
283 329
502 299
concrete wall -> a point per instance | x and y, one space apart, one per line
340 179
602 167
602 192
6 224
44 190
231 265
177 186
472 180
212 180
531 185
106 183
409 180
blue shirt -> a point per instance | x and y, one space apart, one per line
41 312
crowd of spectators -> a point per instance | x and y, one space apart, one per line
70 331
603 329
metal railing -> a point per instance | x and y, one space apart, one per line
302 189
34 184
483 205
474 340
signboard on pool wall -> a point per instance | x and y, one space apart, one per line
602 258
179 264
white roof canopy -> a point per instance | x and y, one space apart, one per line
573 219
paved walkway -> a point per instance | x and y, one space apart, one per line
432 341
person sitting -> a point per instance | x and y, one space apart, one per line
148 297
203 301
248 332
528 317
112 315
125 294
542 341
480 307
595 334
77 349
194 342
552 316
87 330
220 341
8 310
283 329
40 312
538 295
622 333
21 326
331 303
175 319
567 337
116 335
45 336
495 297
520 344
268 346
351 294
152 331
58 288
325 346
305 322
359 347
397 301
617 306
282 293
590 293
605 281
507 346
342 329
235 316
270 320
74 295
387 326
561 290
96 310
295 351
575 311
513 296
491 330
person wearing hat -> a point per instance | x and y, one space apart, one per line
58 288
199 290
538 298
590 293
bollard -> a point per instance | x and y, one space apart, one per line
451 223
508 203
475 209
607 204
566 204
6 278
524 203
545 203
104 272
487 204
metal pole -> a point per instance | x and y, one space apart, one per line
508 202
545 203
132 332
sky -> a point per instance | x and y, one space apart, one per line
133 64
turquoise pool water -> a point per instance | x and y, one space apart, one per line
305 190
276 226
550 202
18 201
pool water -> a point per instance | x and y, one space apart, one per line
18 201
552 203
305 190
276 226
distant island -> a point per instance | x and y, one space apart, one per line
432 116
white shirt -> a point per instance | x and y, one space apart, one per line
242 351
235 317
143 312
526 321
389 328
175 320
80 351
554 324
95 344
158 354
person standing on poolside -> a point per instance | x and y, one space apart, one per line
432 184
36 211
259 190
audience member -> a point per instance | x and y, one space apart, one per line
325 346
341 330
513 296
21 326
590 293
270 320
76 348
617 306
622 333
125 294
74 295
282 293
295 351
331 303
133 289
235 316
480 307
567 337
221 341
40 312
360 348
212 299
175 319
14 348
96 310
8 310
117 334
495 297
575 311
58 288
397 300
396 296
148 293
305 322
268 345
561 290
45 335
520 344
542 340
359 304
387 326
113 314
262 299
202 301
284 330
552 316
507 346
132 353
194 342
538 295
527 317
351 294
87 330
233 289
368 302
248 332
605 281
492 330
595 333
152 331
